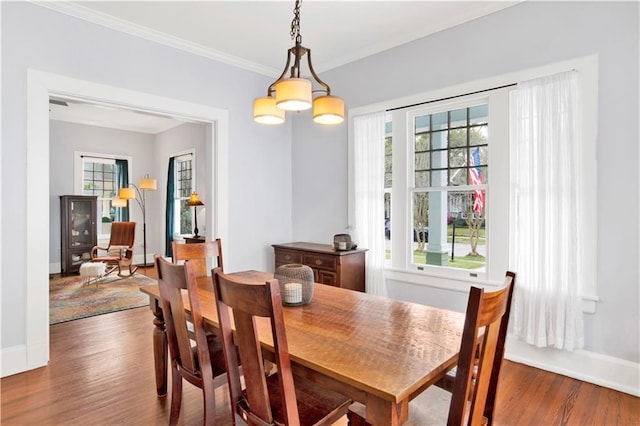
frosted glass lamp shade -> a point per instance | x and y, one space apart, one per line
127 194
265 111
148 184
328 110
293 94
118 202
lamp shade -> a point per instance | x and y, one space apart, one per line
328 110
127 194
293 94
118 202
194 200
265 111
148 184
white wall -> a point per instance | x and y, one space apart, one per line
527 35
259 157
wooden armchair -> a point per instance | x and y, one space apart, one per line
472 397
119 253
267 399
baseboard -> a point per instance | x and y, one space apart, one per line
591 367
55 268
13 360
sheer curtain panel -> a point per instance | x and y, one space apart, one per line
368 133
547 193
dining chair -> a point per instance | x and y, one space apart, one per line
119 252
195 356
448 380
198 253
473 392
267 398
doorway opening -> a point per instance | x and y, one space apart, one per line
41 87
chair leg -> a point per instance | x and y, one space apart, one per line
208 391
176 396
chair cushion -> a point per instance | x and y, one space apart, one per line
116 251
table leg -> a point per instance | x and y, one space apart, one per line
381 412
159 347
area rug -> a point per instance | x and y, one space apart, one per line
70 299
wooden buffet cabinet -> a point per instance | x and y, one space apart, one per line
337 268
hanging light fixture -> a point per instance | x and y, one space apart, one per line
294 93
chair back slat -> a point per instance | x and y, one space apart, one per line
480 358
198 253
122 234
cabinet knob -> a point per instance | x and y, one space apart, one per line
318 262
287 257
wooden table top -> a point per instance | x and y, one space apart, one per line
372 345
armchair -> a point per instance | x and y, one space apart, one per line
119 253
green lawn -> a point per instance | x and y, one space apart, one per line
462 262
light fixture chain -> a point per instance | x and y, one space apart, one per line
295 23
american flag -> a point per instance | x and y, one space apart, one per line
475 178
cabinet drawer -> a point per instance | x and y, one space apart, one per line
329 278
284 257
320 261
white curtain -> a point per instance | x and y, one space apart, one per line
547 211
368 133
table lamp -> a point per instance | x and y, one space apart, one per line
194 201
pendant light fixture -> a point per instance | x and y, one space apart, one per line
294 93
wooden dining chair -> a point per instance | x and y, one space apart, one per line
448 380
195 356
267 399
198 253
472 397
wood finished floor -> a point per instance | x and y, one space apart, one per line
101 373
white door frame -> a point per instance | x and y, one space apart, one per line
41 85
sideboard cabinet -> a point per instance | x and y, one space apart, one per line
78 230
337 268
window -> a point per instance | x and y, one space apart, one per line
184 179
99 179
442 198
447 162
448 187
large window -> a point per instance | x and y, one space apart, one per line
448 190
99 179
438 191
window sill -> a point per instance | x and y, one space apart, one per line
462 285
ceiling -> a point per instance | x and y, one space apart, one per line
254 35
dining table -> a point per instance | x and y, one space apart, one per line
379 351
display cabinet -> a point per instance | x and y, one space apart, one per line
78 230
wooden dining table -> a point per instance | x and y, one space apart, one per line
378 351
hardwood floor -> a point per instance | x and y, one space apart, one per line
101 373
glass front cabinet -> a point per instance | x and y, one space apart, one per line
78 230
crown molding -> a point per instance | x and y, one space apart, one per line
108 21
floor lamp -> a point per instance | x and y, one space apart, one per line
129 193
